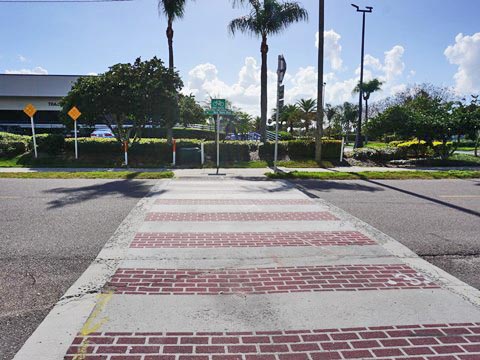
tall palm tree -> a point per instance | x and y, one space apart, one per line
172 10
266 17
308 110
368 88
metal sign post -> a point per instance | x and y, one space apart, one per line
75 114
218 143
30 111
217 108
281 70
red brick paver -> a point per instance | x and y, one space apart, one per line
268 280
234 202
241 216
420 342
250 239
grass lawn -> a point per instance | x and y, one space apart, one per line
131 175
387 175
466 148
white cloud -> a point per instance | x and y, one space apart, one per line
92 74
333 49
204 80
22 58
465 53
35 71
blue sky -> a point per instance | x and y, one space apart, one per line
87 38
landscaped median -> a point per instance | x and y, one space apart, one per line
128 175
378 175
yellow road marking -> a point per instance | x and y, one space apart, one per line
89 326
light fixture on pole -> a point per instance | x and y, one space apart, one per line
358 135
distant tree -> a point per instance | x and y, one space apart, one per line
266 18
368 88
190 111
308 110
330 112
127 97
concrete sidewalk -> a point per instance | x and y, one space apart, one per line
222 268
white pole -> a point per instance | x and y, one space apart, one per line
125 146
76 141
202 153
218 142
341 152
174 156
33 137
275 155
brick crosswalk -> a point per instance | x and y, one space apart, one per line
250 239
318 261
241 216
415 342
268 280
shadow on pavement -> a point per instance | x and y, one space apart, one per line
325 186
428 198
74 195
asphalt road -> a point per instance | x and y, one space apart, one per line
50 231
438 219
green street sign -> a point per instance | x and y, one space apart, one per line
218 104
218 112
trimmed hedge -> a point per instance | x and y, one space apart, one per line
178 133
12 145
301 149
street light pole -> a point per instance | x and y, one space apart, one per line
358 136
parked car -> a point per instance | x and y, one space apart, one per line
102 133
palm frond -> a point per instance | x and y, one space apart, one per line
172 9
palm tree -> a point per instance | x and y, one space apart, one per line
291 115
172 10
266 17
330 112
308 109
368 88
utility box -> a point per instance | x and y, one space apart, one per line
189 156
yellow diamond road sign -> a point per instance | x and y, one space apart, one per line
29 110
74 113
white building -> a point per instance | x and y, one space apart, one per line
43 91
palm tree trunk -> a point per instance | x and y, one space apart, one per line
171 121
319 132
263 91
170 44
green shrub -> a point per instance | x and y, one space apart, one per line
94 146
12 145
285 135
301 149
52 144
378 154
230 150
414 148
266 150
442 150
